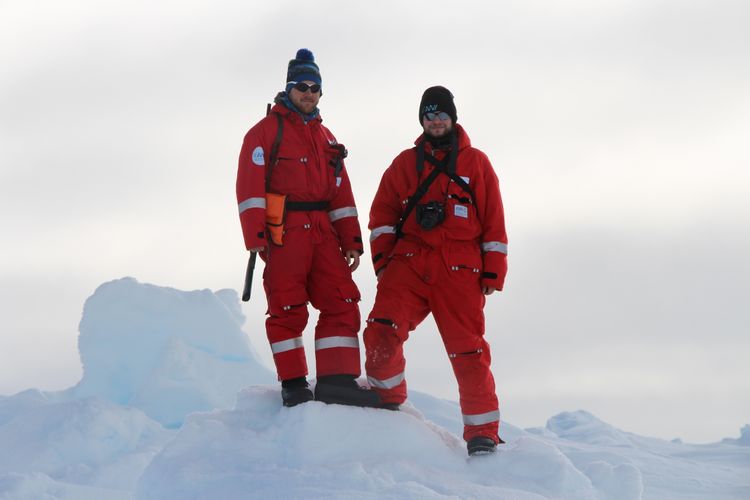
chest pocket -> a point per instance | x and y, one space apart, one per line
460 211
290 174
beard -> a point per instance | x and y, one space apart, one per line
440 139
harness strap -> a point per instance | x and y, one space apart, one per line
452 174
414 199
274 150
338 162
446 166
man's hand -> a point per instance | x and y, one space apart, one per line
352 259
488 290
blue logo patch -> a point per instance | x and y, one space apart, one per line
258 157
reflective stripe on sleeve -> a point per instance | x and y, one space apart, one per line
482 418
329 342
340 213
286 345
495 246
252 203
389 383
382 230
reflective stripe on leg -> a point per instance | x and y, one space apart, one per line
330 342
388 383
482 418
286 345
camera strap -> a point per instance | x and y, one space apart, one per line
452 174
419 193
446 166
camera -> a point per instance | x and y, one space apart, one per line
430 215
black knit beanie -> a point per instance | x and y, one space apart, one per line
436 99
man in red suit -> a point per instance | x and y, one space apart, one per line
438 246
292 165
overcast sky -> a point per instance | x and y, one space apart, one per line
619 131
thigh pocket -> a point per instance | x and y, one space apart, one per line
280 303
348 292
469 350
411 254
343 300
463 265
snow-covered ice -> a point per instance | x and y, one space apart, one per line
174 403
164 351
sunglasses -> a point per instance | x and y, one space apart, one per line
437 116
303 87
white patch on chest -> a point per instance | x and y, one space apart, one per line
461 211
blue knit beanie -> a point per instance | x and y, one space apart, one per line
303 68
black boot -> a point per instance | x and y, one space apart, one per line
295 391
344 390
389 406
481 445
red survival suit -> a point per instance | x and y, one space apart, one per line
440 270
310 265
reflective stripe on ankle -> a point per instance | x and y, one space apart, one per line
286 345
329 342
482 418
388 383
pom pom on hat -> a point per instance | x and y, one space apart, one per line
305 55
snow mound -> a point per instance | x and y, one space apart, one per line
153 355
744 439
165 351
615 482
583 427
86 442
12 406
263 450
38 486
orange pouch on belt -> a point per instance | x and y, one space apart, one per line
275 215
